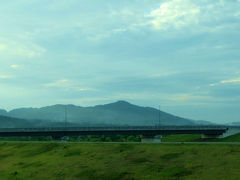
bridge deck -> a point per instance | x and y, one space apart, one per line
124 130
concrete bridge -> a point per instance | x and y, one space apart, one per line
149 133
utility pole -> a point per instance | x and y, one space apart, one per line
65 122
65 137
159 116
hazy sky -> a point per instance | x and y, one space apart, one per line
181 54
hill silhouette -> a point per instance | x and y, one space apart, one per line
9 122
117 113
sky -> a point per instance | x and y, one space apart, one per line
183 55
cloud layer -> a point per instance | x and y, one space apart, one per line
181 54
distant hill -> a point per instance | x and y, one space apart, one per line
3 112
202 122
9 122
118 113
235 123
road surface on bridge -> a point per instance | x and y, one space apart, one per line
121 130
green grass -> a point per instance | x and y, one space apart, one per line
234 138
181 138
197 138
50 161
126 138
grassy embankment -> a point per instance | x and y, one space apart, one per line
118 161
197 138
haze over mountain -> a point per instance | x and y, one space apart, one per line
118 113
9 122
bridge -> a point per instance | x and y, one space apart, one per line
149 133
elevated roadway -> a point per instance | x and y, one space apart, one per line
149 131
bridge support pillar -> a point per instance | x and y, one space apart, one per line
151 138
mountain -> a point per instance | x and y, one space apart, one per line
9 122
202 122
234 123
118 113
3 112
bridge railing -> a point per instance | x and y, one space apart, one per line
112 128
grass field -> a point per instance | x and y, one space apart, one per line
182 138
197 138
58 161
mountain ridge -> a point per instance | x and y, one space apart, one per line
116 113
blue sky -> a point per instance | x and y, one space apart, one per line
181 54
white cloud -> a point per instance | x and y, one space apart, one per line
67 84
236 80
202 16
187 97
60 83
13 46
14 66
85 89
2 47
4 77
174 14
213 84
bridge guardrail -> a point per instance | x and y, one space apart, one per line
112 128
